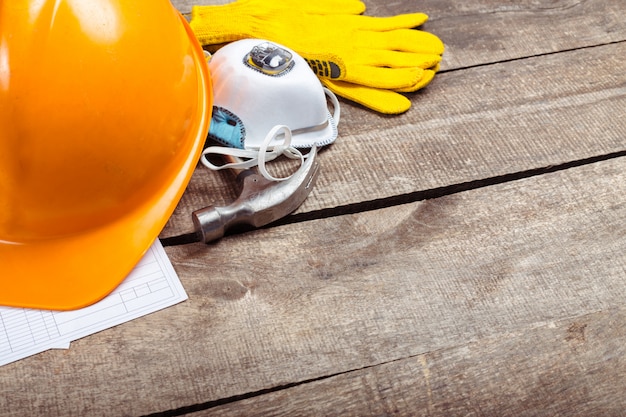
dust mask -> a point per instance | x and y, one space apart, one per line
267 102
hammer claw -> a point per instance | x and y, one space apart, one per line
260 201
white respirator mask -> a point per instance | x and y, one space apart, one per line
267 102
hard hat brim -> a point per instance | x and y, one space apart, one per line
76 271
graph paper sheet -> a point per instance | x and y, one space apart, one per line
151 286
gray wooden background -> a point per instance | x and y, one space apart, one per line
466 258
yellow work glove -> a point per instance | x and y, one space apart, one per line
338 42
378 99
217 24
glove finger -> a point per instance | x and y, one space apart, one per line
423 82
386 78
321 7
382 101
328 7
407 40
395 59
382 24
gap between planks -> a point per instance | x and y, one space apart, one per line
530 56
569 323
409 198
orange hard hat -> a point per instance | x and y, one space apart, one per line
104 110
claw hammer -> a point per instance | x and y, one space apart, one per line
260 201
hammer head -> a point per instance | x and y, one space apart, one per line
267 201
260 202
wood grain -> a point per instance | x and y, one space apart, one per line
573 367
481 32
513 109
506 299
473 124
309 300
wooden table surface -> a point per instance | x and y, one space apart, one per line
467 258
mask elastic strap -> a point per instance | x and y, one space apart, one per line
256 157
335 103
283 149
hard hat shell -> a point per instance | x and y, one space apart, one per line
104 110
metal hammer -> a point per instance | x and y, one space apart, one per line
260 202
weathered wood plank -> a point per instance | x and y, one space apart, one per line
474 124
481 274
573 367
468 125
488 31
314 299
